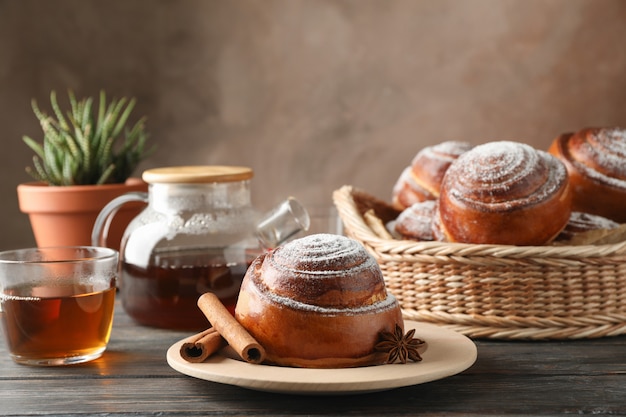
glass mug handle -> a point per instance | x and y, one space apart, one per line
101 226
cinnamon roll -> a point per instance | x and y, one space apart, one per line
422 179
407 192
504 193
595 159
416 222
318 302
585 222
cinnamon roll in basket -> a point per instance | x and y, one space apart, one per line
596 162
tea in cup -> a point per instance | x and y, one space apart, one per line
56 304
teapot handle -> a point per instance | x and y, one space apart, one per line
100 230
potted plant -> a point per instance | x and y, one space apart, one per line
85 160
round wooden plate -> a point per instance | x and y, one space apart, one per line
447 353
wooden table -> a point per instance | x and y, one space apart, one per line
509 378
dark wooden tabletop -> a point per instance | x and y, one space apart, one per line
508 378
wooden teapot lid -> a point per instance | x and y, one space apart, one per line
197 174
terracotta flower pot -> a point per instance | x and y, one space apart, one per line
64 215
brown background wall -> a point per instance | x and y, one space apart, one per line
313 94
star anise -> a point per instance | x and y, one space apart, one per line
400 347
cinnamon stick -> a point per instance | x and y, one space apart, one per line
226 325
200 346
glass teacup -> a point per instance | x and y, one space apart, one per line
56 304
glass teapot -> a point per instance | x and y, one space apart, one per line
199 232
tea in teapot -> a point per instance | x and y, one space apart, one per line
197 234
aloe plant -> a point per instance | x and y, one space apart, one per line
84 147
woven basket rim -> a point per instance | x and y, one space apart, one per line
353 220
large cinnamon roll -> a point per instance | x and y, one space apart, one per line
595 159
320 302
504 193
422 179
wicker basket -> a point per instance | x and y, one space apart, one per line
496 291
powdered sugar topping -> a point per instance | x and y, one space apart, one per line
416 221
587 221
322 254
602 154
504 172
311 266
445 152
389 302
